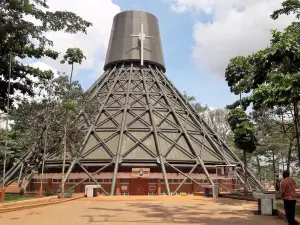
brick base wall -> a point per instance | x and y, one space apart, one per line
134 187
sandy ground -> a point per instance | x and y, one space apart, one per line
141 210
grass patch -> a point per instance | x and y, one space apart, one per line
15 198
280 205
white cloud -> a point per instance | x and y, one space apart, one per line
193 5
94 44
238 27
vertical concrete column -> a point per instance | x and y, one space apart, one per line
49 181
2 194
158 187
118 188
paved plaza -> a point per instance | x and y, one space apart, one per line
142 210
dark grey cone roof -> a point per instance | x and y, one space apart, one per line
181 133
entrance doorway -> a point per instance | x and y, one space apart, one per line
138 186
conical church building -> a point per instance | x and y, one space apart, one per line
143 137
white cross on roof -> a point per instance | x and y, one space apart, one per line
142 36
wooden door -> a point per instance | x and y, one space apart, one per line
138 186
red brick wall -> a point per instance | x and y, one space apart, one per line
132 187
138 187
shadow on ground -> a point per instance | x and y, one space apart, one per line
144 212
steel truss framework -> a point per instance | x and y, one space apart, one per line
139 117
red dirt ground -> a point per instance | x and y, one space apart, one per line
123 210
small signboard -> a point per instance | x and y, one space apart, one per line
232 174
124 188
140 172
152 188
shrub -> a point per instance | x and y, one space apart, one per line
22 191
69 193
49 192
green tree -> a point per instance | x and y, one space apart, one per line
237 75
24 39
272 75
34 117
72 56
192 100
189 98
244 136
288 7
217 120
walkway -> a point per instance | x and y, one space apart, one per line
142 210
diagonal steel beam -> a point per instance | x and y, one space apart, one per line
137 142
87 172
174 144
201 119
20 174
25 157
98 81
142 145
113 185
165 117
100 110
183 174
138 118
137 99
195 119
93 125
98 171
161 159
96 91
179 186
70 169
183 130
103 144
161 134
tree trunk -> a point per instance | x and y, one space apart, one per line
258 168
26 180
65 142
283 164
289 155
296 122
245 174
71 73
64 162
274 167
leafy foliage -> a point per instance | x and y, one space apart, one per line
73 55
13 151
271 75
33 118
243 130
25 39
217 120
192 100
237 74
288 7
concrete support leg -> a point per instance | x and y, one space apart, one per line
118 187
2 194
40 193
158 187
